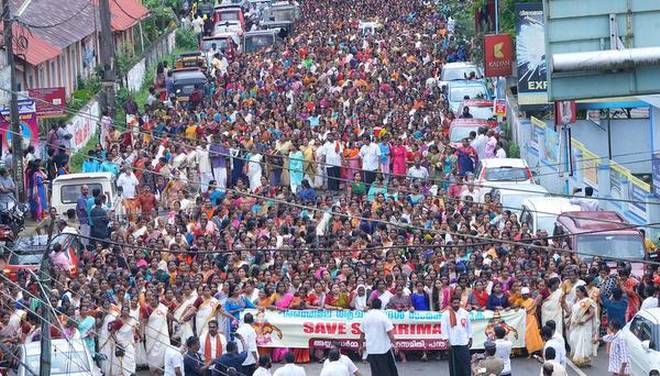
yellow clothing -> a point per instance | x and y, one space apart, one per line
533 340
191 132
649 246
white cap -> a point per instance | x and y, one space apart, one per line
524 291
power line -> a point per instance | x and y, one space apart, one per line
125 12
58 23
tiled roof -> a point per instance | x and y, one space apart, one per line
126 13
38 50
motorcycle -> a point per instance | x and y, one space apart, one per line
12 222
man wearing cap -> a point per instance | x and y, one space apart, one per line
491 364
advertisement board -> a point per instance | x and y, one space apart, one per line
420 330
27 114
50 102
498 55
530 55
83 126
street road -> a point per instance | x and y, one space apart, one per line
520 366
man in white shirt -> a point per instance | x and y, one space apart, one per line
652 301
204 163
378 336
128 183
250 337
456 324
352 368
479 143
264 366
334 367
173 358
370 154
503 349
552 364
555 343
417 171
290 368
212 344
331 151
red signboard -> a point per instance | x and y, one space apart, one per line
500 107
565 112
50 101
498 55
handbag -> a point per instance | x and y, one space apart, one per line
119 351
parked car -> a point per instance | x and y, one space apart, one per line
512 195
540 213
642 335
229 12
502 170
224 42
255 40
27 253
458 71
66 190
68 358
281 11
473 89
603 234
188 81
461 128
478 108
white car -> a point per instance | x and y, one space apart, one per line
540 213
512 195
457 71
502 170
70 358
642 334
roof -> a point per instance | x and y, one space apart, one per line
508 187
472 122
466 83
84 175
478 103
595 221
260 32
126 14
56 344
71 20
182 74
38 49
547 205
459 64
503 162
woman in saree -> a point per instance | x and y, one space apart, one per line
533 340
580 328
281 302
351 161
234 305
140 351
551 307
87 327
336 299
123 332
105 346
183 312
155 316
399 151
206 307
385 151
38 192
296 159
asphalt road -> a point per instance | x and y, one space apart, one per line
520 366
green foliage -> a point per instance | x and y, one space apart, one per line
77 159
186 39
124 60
514 151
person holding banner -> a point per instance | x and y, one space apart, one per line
456 325
377 335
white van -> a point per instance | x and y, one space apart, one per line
68 357
66 189
540 213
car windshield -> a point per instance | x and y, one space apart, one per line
458 133
545 222
69 193
457 73
618 245
62 363
255 42
484 113
457 94
220 44
506 174
25 258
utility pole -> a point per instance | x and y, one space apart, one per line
107 54
44 357
16 134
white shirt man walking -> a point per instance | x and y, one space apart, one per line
290 368
456 324
378 336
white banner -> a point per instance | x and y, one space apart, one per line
83 126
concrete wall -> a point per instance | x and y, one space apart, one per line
630 139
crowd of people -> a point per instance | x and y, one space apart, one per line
316 175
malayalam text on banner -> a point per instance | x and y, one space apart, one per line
420 330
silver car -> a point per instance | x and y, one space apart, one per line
69 358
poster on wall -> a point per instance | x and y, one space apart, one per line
419 330
498 55
551 149
530 55
27 114
617 181
637 195
50 101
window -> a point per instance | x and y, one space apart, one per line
642 329
70 193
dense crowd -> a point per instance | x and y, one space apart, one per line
315 175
